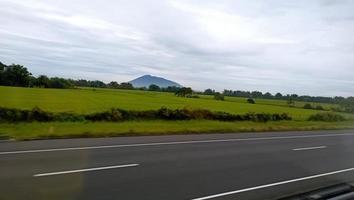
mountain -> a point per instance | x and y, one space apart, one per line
147 80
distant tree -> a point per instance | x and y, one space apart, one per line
97 83
42 81
319 107
251 100
294 96
256 94
61 83
15 75
184 91
170 89
308 106
209 92
154 87
278 95
267 95
219 96
113 84
125 85
2 68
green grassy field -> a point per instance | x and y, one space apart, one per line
26 131
89 100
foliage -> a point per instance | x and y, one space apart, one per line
115 115
154 87
327 117
219 96
209 92
308 106
319 107
251 101
14 75
184 92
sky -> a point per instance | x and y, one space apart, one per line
288 46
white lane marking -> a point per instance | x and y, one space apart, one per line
173 143
85 170
273 184
309 148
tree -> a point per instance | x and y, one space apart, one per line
59 83
97 83
278 95
256 94
154 87
219 96
184 91
126 86
209 92
113 84
2 68
250 100
268 95
15 75
42 81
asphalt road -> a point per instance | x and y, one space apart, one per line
213 166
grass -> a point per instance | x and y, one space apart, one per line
26 131
88 100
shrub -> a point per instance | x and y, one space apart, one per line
327 117
115 115
219 96
319 107
308 106
250 100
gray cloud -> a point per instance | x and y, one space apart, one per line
300 46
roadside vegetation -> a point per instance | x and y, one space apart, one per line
118 115
39 130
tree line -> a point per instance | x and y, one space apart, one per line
18 75
347 104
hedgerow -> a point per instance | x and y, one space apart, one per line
116 115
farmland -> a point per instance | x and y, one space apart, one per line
90 100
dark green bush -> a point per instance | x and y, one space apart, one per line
319 107
251 101
308 106
326 117
115 115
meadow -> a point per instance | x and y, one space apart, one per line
91 100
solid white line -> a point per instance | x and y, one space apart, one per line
85 170
309 148
273 184
173 143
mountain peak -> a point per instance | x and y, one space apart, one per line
147 80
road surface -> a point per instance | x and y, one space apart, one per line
212 166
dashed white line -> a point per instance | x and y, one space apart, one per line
172 143
273 184
85 170
309 148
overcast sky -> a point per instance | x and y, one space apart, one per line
288 46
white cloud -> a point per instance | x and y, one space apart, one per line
300 46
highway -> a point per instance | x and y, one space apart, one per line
192 167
